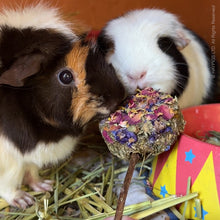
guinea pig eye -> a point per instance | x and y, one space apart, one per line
65 76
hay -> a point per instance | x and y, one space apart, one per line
86 192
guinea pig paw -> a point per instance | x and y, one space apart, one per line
22 200
42 186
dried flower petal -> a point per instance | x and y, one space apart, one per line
165 111
106 136
124 136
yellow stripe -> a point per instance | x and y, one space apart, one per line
168 175
205 185
153 168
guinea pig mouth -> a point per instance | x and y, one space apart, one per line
112 108
101 116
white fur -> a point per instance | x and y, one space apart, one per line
14 165
136 51
136 191
37 16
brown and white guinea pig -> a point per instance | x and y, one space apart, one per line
51 86
151 48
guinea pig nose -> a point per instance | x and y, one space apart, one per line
137 76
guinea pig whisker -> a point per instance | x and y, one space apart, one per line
168 47
180 86
182 77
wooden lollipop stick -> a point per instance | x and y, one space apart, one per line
124 190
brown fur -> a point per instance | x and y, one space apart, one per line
84 104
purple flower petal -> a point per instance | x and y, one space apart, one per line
131 104
149 92
167 148
107 137
124 136
152 138
168 129
116 118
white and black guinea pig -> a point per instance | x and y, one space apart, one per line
51 86
151 48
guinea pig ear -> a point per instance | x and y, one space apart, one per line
181 40
105 44
23 51
21 69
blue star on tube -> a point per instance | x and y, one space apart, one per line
163 191
204 212
189 156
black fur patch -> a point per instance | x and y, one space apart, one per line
83 41
25 111
101 76
105 43
15 43
168 46
102 79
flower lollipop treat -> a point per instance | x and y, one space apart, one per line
148 123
